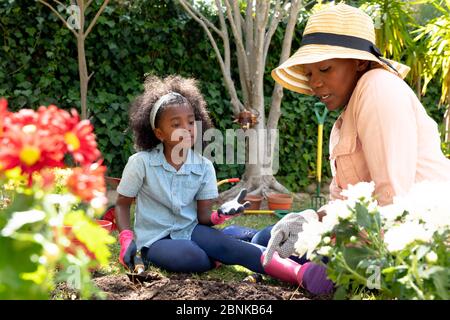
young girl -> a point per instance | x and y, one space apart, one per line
383 133
175 187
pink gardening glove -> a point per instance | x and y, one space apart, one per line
128 249
217 218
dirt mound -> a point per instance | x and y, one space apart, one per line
183 287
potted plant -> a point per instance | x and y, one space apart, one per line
279 201
255 201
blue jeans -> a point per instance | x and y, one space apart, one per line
198 254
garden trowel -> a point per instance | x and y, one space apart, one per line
138 274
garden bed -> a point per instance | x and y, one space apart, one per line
184 287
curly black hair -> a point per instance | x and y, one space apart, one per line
154 88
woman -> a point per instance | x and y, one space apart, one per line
383 133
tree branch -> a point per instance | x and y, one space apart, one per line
239 44
94 21
59 3
59 16
277 94
249 27
234 17
235 103
202 17
225 37
275 20
88 4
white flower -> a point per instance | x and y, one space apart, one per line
324 251
361 190
99 201
399 236
309 238
338 209
428 202
431 257
391 212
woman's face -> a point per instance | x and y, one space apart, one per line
334 80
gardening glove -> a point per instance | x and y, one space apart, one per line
284 234
234 206
128 249
217 218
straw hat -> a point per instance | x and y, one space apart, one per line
340 31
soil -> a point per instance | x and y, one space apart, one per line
184 287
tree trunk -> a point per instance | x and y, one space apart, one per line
252 36
84 78
258 177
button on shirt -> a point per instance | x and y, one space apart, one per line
166 199
385 135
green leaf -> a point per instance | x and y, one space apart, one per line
340 294
441 281
354 255
362 216
15 261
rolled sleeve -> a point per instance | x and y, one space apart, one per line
208 189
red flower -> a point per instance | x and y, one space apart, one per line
3 114
87 182
33 140
30 149
79 137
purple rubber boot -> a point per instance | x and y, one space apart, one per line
314 278
311 276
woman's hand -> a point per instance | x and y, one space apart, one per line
284 234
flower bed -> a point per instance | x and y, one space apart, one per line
400 250
38 201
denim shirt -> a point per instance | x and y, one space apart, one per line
166 199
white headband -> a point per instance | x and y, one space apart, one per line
169 98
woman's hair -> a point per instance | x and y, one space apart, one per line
154 88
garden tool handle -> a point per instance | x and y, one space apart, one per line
320 117
319 153
229 180
321 121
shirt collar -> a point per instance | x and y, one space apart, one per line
192 164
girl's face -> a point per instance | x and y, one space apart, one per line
176 126
334 80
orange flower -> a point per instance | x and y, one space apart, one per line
80 140
30 149
87 182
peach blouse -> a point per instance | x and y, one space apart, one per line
385 135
